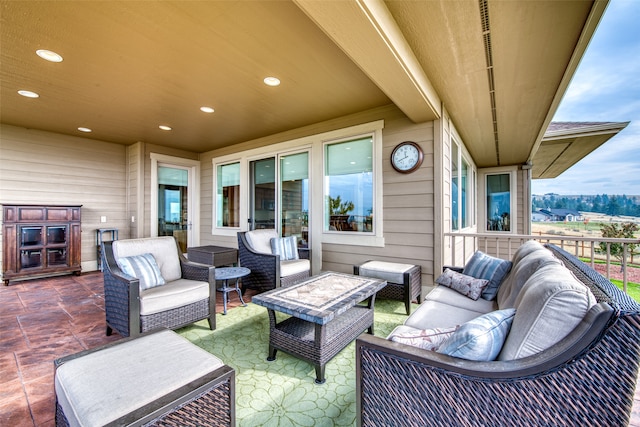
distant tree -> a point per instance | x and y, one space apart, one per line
338 207
616 230
613 207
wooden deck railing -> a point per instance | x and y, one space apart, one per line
505 245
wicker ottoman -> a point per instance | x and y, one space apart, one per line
159 378
404 281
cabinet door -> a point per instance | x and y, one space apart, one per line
31 243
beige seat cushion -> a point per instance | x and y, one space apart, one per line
101 387
390 271
449 296
434 314
550 305
174 294
294 266
163 249
260 240
520 273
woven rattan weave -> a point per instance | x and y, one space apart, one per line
587 379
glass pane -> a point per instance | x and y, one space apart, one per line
30 259
56 234
464 191
56 256
228 195
263 173
31 236
173 192
294 172
454 187
498 202
349 186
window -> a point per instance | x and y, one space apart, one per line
498 202
454 188
461 190
294 196
228 195
349 187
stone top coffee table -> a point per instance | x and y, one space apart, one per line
326 316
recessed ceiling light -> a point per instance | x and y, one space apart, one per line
163 127
28 94
82 129
49 55
353 163
271 81
207 109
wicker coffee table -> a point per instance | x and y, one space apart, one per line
326 315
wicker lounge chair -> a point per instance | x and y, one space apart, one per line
588 378
267 270
173 306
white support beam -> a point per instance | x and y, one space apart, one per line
368 34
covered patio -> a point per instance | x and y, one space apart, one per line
204 119
48 318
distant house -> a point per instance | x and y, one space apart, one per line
539 216
565 215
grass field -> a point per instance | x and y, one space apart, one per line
633 289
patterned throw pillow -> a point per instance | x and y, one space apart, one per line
480 339
428 339
286 247
483 266
466 285
144 268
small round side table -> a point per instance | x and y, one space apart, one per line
224 274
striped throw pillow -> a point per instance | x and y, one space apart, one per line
483 266
144 268
286 247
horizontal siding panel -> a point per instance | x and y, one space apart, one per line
408 201
46 168
413 187
413 214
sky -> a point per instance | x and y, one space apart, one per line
605 88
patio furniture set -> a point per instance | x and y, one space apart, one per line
572 354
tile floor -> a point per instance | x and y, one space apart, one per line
41 320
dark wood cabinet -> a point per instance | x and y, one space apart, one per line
40 241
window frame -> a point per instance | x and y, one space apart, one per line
471 188
511 171
315 146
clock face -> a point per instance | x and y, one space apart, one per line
406 157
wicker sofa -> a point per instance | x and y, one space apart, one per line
587 377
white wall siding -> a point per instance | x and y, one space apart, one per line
46 168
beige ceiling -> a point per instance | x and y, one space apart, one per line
131 66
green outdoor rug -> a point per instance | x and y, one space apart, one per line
283 392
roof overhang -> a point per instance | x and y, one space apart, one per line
566 143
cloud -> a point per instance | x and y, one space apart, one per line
606 87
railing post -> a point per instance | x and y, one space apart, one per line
624 267
608 259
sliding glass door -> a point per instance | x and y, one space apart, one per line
173 206
262 194
294 196
279 195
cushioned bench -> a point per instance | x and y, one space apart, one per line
404 281
159 377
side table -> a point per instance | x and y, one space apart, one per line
225 274
217 256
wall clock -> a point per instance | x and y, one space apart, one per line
406 157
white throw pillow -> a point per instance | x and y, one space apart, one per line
144 268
